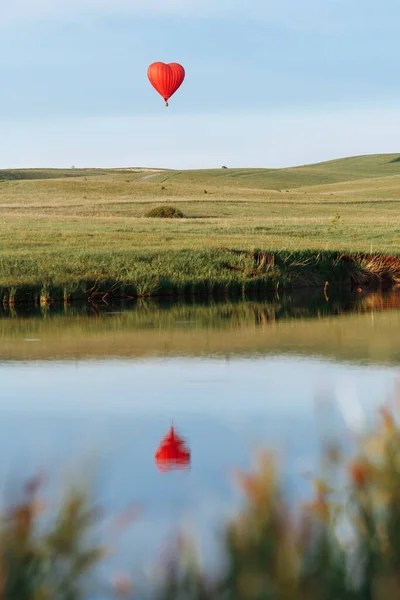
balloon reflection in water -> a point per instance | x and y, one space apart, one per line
172 453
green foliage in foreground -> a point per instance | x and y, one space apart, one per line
52 563
343 544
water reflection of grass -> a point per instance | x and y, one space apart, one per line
343 543
210 313
213 312
342 327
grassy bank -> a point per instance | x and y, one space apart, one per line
342 544
63 233
187 272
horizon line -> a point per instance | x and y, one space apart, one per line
75 168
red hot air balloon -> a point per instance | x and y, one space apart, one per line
172 453
166 79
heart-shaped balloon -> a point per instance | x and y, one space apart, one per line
166 79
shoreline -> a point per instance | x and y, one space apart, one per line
232 273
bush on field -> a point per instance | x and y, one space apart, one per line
165 212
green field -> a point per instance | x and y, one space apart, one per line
65 230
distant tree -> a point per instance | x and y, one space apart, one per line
223 167
73 167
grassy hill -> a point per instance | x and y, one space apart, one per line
333 171
18 174
63 226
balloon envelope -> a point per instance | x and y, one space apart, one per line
166 79
172 453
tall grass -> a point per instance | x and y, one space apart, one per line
223 271
52 562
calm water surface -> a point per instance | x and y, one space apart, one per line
90 393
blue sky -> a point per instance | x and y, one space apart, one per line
267 84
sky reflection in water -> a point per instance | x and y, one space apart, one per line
104 419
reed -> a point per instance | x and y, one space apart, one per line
344 543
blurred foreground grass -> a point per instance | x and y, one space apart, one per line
343 544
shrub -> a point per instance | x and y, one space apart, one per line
165 212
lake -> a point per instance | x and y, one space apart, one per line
88 392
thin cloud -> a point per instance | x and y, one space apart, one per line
27 10
292 12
